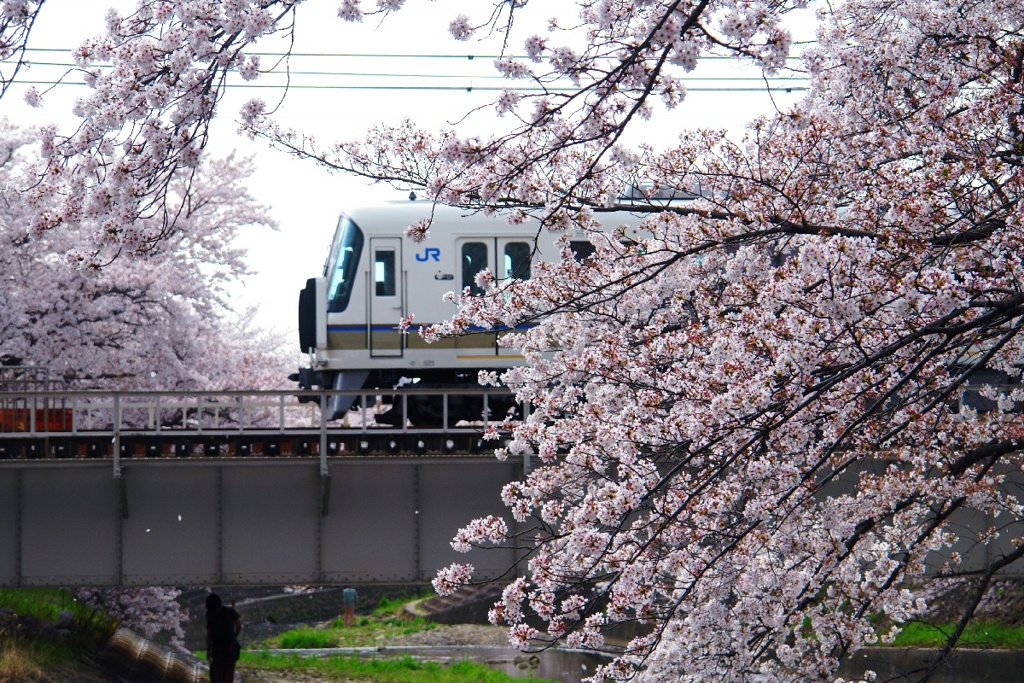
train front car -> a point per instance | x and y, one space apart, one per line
374 276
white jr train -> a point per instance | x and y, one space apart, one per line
375 275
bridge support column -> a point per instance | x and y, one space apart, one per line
325 494
417 501
117 436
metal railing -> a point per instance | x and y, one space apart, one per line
166 420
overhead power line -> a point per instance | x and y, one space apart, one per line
327 79
385 55
453 88
382 74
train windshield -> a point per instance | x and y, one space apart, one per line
348 246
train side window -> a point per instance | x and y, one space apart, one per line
474 259
582 250
517 260
384 272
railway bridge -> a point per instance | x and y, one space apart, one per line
238 488
250 488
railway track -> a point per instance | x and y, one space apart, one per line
252 444
42 425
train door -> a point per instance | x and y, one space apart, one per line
514 256
474 254
507 258
386 294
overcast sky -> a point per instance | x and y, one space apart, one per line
343 98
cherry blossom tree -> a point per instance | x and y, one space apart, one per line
164 320
757 418
16 20
150 611
753 418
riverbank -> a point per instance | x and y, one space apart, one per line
386 636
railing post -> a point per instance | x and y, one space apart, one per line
325 475
323 434
445 426
405 412
363 412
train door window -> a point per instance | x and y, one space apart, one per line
384 272
581 249
474 259
517 260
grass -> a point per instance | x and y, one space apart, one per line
979 634
391 670
389 606
91 626
48 603
19 661
26 659
388 619
306 638
45 603
367 631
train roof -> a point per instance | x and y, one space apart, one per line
396 216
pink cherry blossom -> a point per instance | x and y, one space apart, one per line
757 417
135 323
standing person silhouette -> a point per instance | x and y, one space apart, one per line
349 600
222 628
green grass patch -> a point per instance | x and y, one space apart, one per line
387 620
92 627
392 670
387 606
365 632
979 634
27 659
45 603
307 638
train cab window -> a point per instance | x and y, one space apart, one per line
517 260
341 268
581 249
384 272
474 259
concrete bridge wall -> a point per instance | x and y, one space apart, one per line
244 521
